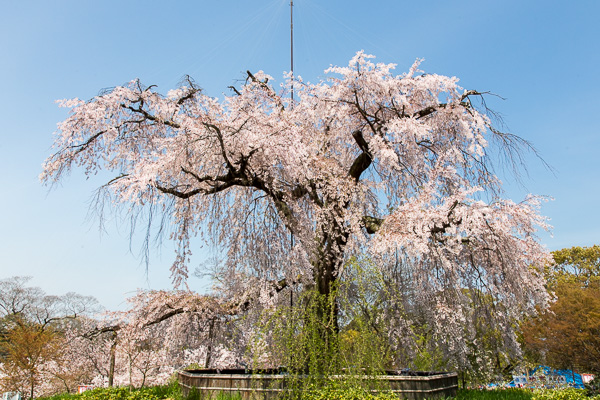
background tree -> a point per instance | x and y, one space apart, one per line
67 369
28 346
161 331
581 264
33 328
364 161
568 335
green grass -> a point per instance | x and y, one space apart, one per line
173 392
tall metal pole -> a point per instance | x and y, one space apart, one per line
292 105
292 46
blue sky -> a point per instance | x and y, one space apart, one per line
541 56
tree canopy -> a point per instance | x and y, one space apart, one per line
568 334
581 264
397 166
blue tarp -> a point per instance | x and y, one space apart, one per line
573 379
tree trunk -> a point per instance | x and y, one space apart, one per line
321 327
130 373
111 367
143 379
327 311
321 321
326 266
211 326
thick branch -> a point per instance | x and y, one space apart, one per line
451 221
177 193
372 224
84 145
164 317
151 117
428 110
99 331
236 308
364 159
218 308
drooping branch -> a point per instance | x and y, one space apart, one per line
208 307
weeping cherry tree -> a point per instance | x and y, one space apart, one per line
363 162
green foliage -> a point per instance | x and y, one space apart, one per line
314 348
294 338
567 336
120 393
564 394
498 394
524 394
427 358
194 366
364 342
331 390
581 264
195 394
305 338
345 392
26 346
171 391
593 387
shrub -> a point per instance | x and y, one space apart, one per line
563 394
170 391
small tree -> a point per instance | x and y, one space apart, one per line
28 346
366 161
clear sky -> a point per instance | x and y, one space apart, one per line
543 57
